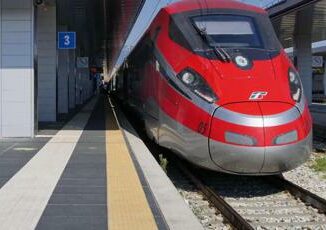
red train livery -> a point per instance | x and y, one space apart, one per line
212 83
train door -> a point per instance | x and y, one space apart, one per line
169 105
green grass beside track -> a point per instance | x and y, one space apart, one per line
320 164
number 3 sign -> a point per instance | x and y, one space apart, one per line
67 40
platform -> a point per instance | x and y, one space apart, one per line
92 173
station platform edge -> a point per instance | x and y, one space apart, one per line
94 173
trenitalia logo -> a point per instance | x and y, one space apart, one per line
258 95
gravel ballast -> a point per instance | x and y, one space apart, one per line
306 177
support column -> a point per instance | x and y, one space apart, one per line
303 50
63 78
72 80
16 68
47 64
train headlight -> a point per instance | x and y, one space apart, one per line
240 139
295 85
188 78
286 138
197 84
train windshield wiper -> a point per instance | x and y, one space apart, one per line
224 53
219 51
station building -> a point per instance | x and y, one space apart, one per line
300 25
41 82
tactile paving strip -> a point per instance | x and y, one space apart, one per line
127 204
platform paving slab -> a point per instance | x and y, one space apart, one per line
24 197
16 152
79 200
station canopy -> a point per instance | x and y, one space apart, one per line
102 26
284 17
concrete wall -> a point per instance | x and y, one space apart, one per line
60 85
16 68
47 63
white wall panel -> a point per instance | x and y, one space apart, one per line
16 63
16 38
13 115
17 49
17 4
13 26
22 85
47 62
17 14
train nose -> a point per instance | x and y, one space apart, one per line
249 138
236 139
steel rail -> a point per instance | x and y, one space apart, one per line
304 195
235 219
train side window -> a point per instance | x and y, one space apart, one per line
177 36
147 48
155 35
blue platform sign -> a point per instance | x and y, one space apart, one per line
66 40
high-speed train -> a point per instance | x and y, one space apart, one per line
212 83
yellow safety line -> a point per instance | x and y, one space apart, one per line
127 204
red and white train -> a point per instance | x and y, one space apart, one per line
212 83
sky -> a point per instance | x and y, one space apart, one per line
260 3
149 11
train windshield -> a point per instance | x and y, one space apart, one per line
229 31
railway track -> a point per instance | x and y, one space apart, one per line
250 202
260 202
